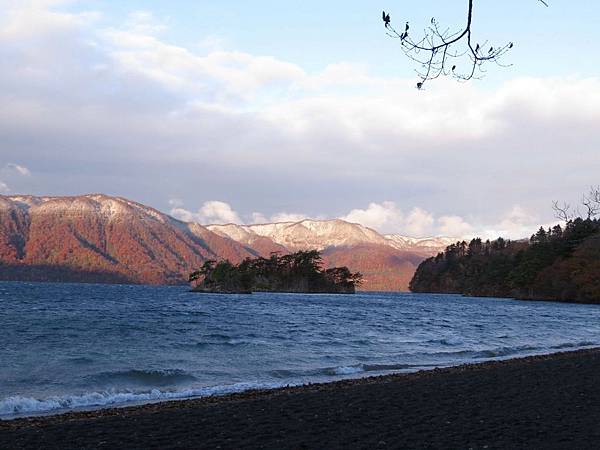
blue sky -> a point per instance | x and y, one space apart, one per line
258 111
549 41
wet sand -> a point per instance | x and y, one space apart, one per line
550 401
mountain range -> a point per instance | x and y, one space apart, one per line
99 238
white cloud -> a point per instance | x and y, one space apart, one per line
388 217
385 217
517 223
454 226
144 22
222 77
21 170
377 215
74 90
259 218
211 212
217 212
419 223
13 174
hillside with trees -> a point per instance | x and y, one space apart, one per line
102 239
560 263
296 272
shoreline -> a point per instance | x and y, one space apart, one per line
517 298
258 388
287 407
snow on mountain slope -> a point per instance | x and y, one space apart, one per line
304 235
240 233
99 204
424 245
321 234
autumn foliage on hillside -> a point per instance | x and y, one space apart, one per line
73 240
383 268
98 238
556 264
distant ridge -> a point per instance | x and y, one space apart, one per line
100 238
321 234
305 234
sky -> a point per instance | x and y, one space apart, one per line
248 112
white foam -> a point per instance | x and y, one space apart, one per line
348 370
23 406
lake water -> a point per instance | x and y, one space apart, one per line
66 346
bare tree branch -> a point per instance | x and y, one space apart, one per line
563 212
591 201
439 51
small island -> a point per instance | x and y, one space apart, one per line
299 272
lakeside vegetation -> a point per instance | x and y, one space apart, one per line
555 264
300 272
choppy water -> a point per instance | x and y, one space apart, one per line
65 346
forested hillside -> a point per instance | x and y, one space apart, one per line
556 264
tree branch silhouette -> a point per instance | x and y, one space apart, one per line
589 201
438 52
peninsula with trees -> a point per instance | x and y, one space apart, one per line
299 272
560 263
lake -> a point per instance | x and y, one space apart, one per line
72 346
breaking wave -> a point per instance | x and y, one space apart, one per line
17 405
340 371
345 370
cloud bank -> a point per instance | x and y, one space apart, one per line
91 105
385 217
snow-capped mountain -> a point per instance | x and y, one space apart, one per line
304 235
100 238
322 234
387 261
425 245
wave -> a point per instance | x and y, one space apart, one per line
445 341
462 354
574 345
505 351
227 344
340 370
20 406
80 360
362 368
153 379
162 377
500 352
388 367
508 351
344 370
223 340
